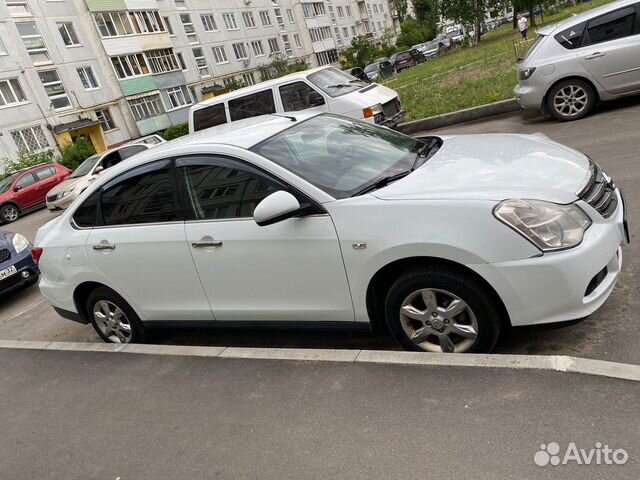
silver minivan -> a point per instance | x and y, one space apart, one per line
590 57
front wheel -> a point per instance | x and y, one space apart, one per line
571 100
113 318
438 310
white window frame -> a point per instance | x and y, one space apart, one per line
82 73
36 51
209 22
348 10
248 79
240 51
286 42
176 94
271 42
149 104
340 12
123 19
248 20
70 31
169 27
162 60
189 28
279 18
38 135
290 16
18 4
180 4
141 17
265 18
296 40
201 63
132 62
106 120
257 48
230 22
220 54
13 84
59 95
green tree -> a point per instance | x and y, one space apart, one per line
26 160
401 8
470 13
413 32
279 66
74 153
360 53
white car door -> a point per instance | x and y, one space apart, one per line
611 51
288 271
140 246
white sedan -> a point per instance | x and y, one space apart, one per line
328 220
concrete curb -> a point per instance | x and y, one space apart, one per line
466 115
557 363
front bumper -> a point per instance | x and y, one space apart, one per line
27 272
393 122
63 202
565 285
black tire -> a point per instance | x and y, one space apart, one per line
9 213
108 295
587 106
473 293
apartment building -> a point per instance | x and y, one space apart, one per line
113 70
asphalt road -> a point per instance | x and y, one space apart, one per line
610 136
74 415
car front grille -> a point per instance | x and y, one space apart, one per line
600 192
391 108
52 198
5 255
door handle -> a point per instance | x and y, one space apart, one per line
207 244
594 56
104 246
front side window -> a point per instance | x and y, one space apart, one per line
26 181
142 195
68 34
299 96
259 103
210 116
219 188
340 156
611 26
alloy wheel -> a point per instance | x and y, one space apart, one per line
438 321
112 322
570 101
10 213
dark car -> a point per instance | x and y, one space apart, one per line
17 267
27 189
359 74
378 70
403 60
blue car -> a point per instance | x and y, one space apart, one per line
17 268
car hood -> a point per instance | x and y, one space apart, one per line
495 167
67 184
374 93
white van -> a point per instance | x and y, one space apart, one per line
324 89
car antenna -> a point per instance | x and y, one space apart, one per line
256 113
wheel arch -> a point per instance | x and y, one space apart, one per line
382 280
13 203
564 79
81 294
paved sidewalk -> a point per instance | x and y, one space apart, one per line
86 415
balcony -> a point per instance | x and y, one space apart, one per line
136 43
323 45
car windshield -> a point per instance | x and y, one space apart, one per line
6 183
341 156
372 67
335 82
403 56
86 166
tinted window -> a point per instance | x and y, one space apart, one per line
142 195
43 173
253 105
26 181
85 215
219 188
209 117
614 25
131 151
569 38
297 96
110 159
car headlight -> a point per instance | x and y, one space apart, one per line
19 242
549 226
525 73
66 192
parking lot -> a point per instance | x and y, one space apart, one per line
609 136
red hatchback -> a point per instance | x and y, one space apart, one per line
26 190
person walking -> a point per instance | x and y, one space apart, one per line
522 25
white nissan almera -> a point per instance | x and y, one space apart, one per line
332 221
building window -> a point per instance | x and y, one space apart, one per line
105 119
18 8
347 9
354 32
113 24
68 34
287 46
209 22
179 97
256 46
265 18
146 107
55 89
167 23
273 45
180 4
240 51
162 61
247 79
220 54
147 22
230 22
345 32
30 139
279 19
319 34
247 18
88 78
189 29
127 66
11 93
340 12
375 8
33 42
201 62
183 65
327 57
3 50
290 16
296 39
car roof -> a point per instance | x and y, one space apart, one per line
581 17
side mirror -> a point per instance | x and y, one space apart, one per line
98 169
17 188
315 99
275 208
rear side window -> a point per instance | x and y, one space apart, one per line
611 26
131 151
85 216
260 103
569 38
299 96
143 195
43 173
210 116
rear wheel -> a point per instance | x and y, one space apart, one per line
571 100
113 318
9 213
439 310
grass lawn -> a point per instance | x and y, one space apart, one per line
468 77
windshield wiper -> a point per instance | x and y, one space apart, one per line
427 151
382 182
340 85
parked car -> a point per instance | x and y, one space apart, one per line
407 59
17 267
456 36
593 56
379 70
434 48
153 139
26 190
359 73
327 220
87 172
324 89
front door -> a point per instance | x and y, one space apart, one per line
611 50
139 245
289 271
27 191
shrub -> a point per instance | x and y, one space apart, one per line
26 160
176 131
73 154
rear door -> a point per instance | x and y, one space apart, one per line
610 50
45 180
